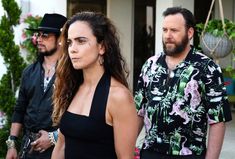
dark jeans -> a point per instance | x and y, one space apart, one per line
147 154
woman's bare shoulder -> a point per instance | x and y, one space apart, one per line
120 96
119 91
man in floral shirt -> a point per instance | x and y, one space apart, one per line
179 93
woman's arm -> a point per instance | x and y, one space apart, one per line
58 152
124 121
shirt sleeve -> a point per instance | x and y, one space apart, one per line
21 102
217 105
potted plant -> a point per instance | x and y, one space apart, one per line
216 39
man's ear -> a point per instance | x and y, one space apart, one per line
190 33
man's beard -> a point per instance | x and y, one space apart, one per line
48 53
179 47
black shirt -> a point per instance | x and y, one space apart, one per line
33 108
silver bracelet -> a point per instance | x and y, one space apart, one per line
10 143
51 138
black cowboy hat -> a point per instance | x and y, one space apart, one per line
51 23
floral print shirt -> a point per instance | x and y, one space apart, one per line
177 106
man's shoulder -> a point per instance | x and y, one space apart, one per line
199 54
199 57
31 67
203 62
154 58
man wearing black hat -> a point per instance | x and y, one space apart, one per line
34 104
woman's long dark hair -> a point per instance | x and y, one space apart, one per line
68 79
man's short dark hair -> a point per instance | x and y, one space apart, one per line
188 15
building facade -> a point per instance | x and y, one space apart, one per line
138 22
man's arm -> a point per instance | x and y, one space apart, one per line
15 131
215 140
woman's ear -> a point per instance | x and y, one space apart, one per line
101 48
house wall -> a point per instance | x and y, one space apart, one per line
41 7
122 14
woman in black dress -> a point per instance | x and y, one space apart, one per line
92 103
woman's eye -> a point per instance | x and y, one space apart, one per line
81 41
77 41
69 43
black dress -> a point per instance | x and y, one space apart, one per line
90 137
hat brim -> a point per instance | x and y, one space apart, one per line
45 29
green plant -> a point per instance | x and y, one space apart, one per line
229 72
29 40
215 27
14 63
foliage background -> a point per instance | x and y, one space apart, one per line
29 40
14 63
215 27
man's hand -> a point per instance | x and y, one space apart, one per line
11 153
42 143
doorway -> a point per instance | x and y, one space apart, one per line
200 16
144 34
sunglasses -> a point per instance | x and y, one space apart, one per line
42 35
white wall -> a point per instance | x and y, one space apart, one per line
2 67
34 7
121 12
160 7
40 7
